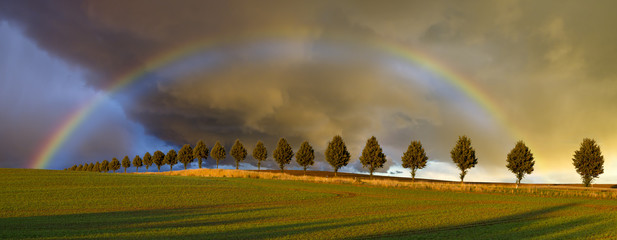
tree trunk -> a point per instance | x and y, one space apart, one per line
258 166
200 163
335 170
304 171
217 164
371 173
124 170
171 168
237 163
184 166
413 175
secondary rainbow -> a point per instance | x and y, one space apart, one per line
50 146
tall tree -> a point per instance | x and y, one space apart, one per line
97 167
126 163
185 155
201 152
337 154
260 153
283 153
114 165
305 156
147 160
238 152
464 155
218 153
159 159
588 161
73 168
90 167
372 155
171 158
80 167
105 166
520 161
137 162
414 158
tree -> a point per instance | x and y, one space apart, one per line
218 153
305 156
415 158
105 166
73 168
464 155
588 161
126 163
114 165
97 167
520 161
201 152
283 153
260 153
159 159
372 155
137 162
147 160
80 167
238 152
90 167
337 154
171 158
185 155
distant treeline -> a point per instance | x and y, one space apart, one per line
588 160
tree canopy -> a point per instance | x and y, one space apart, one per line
283 153
185 155
337 154
147 160
105 166
159 159
588 161
201 152
114 165
218 153
260 153
126 163
305 156
238 152
464 155
520 161
414 158
372 155
171 158
137 162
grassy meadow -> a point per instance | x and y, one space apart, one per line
46 204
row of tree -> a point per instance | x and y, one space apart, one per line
588 160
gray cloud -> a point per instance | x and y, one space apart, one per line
548 65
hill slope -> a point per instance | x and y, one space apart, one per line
59 204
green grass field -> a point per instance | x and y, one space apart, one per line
45 204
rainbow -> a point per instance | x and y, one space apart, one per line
50 146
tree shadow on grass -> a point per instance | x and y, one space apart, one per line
530 224
78 225
264 223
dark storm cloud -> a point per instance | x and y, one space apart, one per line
544 62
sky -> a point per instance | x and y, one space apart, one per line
155 75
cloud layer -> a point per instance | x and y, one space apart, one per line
309 70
